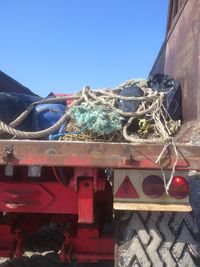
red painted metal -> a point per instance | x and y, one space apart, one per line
18 243
24 197
68 101
85 197
11 240
15 228
46 197
75 197
95 173
7 240
85 201
88 246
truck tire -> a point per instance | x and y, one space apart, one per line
155 239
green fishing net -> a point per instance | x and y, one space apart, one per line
100 120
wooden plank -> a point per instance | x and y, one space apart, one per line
90 154
151 207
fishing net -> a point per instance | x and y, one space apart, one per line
106 114
98 119
75 133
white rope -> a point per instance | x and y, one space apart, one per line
159 161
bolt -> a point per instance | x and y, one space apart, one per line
9 150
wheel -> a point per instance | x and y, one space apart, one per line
155 239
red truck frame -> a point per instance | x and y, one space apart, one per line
46 182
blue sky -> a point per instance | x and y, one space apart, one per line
62 45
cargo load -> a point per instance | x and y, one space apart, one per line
134 111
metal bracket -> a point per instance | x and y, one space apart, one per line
85 200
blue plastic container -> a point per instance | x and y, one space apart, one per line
46 115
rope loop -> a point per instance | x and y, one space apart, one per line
150 104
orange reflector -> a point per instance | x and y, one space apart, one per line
126 190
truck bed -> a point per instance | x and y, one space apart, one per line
179 57
96 154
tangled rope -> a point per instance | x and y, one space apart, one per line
161 158
10 129
151 104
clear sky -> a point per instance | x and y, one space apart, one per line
62 45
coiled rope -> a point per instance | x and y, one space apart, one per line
10 128
150 103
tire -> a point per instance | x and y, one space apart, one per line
155 239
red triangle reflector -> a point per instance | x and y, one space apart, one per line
126 190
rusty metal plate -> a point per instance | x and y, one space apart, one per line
112 155
179 57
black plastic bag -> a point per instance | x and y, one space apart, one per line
172 89
131 105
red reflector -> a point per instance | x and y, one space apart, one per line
126 190
153 186
179 187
